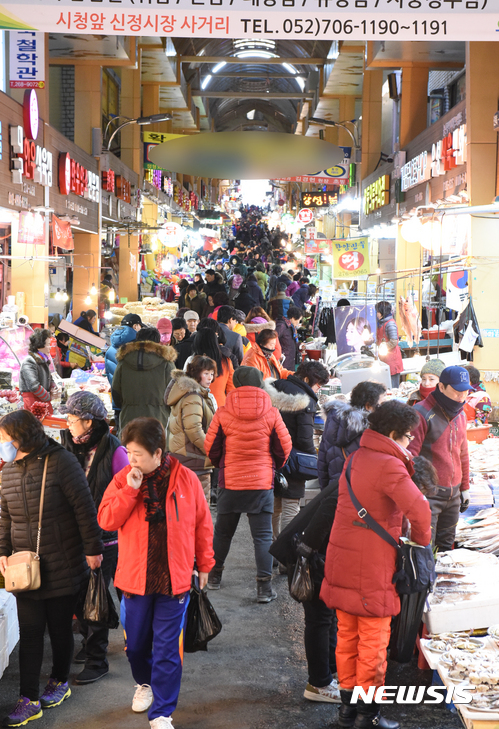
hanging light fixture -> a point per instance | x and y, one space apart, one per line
58 295
411 230
88 300
111 296
93 290
64 295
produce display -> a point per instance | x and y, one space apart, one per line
151 309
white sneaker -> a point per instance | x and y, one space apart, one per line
162 722
142 698
329 694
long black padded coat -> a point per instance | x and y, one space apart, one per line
69 524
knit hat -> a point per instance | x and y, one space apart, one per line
433 367
247 377
191 315
85 405
259 320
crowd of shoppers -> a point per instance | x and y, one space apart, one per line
221 393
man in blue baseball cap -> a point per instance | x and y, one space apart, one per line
441 438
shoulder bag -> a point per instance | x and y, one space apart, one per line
23 568
415 564
302 465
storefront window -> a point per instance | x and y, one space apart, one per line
458 90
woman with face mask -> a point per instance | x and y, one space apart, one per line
430 377
164 526
70 544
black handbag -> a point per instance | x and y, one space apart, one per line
202 623
415 564
302 465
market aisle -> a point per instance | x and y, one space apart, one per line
252 676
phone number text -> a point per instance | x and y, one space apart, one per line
327 27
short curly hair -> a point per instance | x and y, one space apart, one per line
393 417
38 339
199 364
366 393
314 371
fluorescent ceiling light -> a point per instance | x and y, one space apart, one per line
255 54
301 82
253 43
206 81
219 66
289 68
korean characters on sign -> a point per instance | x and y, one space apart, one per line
73 177
449 152
351 258
305 216
27 60
29 160
377 194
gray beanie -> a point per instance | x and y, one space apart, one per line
247 377
85 405
433 367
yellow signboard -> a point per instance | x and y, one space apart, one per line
351 257
377 194
159 137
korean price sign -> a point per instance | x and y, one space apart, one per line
27 59
351 258
358 20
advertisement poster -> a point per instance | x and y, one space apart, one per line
318 246
27 60
351 258
355 328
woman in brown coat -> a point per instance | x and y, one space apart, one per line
192 407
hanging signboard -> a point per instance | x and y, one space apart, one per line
31 229
357 20
318 199
318 246
351 258
457 290
27 60
305 216
62 235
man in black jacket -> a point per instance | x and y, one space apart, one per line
226 317
309 378
214 283
287 328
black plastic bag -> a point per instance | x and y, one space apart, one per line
302 586
99 606
405 627
202 623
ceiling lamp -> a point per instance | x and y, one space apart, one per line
383 349
431 236
64 295
93 290
219 66
245 43
58 295
205 81
251 114
255 54
411 230
289 68
88 300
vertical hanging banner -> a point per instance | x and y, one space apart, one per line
31 229
457 290
27 59
357 20
351 258
62 234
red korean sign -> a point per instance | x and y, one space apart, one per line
305 216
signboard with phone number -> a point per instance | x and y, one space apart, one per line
452 20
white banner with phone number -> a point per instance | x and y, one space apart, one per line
406 20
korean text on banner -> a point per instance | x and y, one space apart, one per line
351 258
31 229
357 20
27 59
319 245
62 235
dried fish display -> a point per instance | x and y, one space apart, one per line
481 532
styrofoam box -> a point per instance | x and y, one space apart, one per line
8 608
463 615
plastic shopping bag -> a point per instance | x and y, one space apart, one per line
202 623
302 586
99 607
